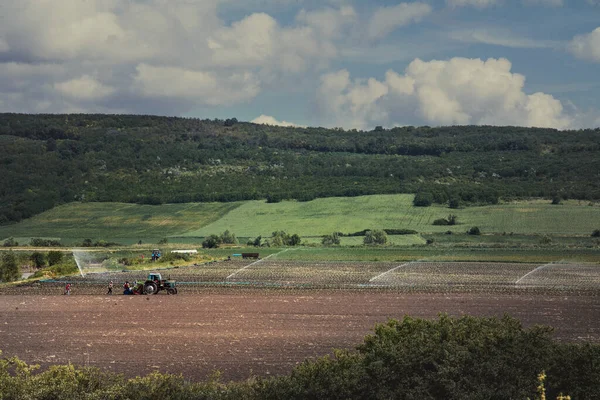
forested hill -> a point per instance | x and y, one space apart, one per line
52 159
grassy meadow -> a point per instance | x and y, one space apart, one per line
120 222
351 214
519 222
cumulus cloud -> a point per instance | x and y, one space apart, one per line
586 46
269 120
472 3
196 86
85 88
386 19
110 48
329 22
457 91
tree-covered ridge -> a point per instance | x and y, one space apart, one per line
54 159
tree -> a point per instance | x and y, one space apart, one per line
10 242
274 198
474 230
38 259
596 233
423 199
451 220
295 240
163 241
545 239
555 200
228 238
331 240
54 257
9 270
281 238
454 203
211 242
257 241
375 237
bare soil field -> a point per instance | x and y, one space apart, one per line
246 332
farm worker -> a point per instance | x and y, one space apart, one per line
68 289
110 287
126 288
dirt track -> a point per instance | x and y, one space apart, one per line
244 333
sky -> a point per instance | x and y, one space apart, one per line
332 63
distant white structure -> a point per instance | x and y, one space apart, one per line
185 251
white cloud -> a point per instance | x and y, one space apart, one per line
457 91
329 22
473 3
551 3
386 19
4 47
269 120
84 88
501 37
587 46
197 87
250 41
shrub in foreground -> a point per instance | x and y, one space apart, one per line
448 358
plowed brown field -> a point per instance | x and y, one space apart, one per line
246 332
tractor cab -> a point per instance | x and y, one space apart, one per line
154 276
155 254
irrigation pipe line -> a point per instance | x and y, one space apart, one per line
255 262
395 268
532 271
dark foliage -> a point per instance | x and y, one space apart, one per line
474 230
48 160
449 358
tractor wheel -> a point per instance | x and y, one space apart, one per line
171 291
150 288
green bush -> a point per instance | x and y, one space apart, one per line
376 237
54 257
400 231
9 269
211 242
38 259
423 199
39 242
331 240
474 230
175 257
228 238
10 242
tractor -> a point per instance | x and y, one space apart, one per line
155 284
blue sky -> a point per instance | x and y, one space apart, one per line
352 64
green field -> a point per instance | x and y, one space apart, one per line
189 223
351 214
120 222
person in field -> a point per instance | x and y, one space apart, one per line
110 288
127 288
67 289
